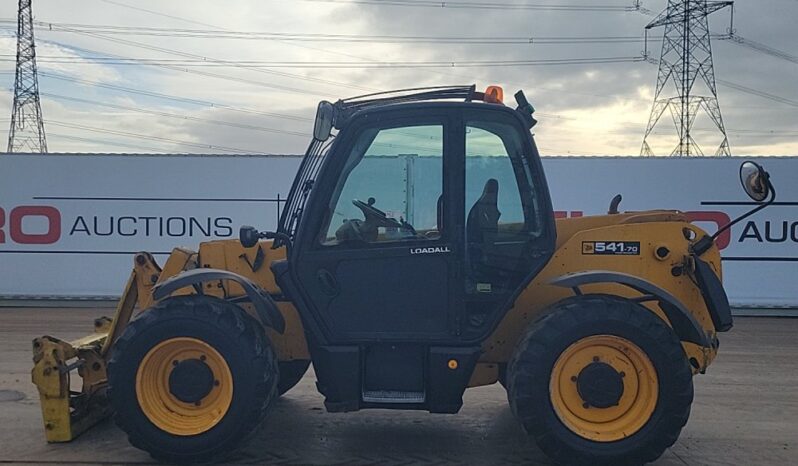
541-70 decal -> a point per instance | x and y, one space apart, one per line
611 248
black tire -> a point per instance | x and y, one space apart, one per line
291 372
530 372
503 375
235 336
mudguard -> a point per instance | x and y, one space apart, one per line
264 304
714 296
682 321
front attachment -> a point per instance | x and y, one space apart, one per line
66 412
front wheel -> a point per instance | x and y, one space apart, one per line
191 378
601 380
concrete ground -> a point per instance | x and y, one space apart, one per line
745 412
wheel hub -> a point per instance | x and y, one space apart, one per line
604 388
600 385
191 380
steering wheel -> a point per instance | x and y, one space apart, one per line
375 215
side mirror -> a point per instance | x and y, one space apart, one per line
755 181
248 236
325 116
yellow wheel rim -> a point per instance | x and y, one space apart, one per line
630 409
165 409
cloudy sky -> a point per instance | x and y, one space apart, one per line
167 100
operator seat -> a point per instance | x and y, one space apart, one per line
482 224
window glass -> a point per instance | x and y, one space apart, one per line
487 161
502 214
390 187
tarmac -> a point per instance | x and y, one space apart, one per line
745 412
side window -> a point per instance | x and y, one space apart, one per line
502 210
391 187
499 182
491 179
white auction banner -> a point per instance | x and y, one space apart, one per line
70 223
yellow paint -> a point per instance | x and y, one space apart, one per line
64 419
165 410
634 408
652 230
228 255
232 256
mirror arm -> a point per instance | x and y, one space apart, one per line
751 212
281 240
702 245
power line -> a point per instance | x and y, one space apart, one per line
193 71
210 60
756 92
752 91
332 52
106 142
178 116
318 37
151 138
157 95
304 78
199 23
762 48
483 5
203 103
340 64
193 60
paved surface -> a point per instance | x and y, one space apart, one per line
746 412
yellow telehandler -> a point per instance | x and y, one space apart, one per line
417 255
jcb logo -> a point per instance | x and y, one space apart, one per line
13 225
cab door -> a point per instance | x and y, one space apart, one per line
383 259
509 233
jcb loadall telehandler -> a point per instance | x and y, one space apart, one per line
404 287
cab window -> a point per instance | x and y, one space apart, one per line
391 188
503 215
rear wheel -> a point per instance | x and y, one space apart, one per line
291 372
601 380
191 378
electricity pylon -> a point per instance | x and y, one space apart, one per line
686 60
27 127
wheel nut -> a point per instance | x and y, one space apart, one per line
585 405
215 383
198 403
595 359
573 378
202 358
622 374
174 363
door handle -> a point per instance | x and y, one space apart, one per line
328 283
